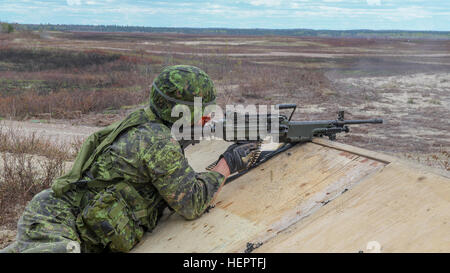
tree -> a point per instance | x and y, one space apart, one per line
10 28
7 28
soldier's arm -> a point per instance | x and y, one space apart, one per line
187 192
222 168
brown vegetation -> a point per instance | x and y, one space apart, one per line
28 165
66 104
60 82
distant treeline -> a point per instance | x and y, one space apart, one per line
359 33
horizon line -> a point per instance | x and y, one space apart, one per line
231 28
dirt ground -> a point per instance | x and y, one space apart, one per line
7 237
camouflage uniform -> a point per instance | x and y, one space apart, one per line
123 178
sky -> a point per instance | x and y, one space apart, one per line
274 14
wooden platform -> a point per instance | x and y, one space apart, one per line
317 197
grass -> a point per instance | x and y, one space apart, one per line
262 80
38 83
37 59
435 102
66 104
57 82
14 142
29 164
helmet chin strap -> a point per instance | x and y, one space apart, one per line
185 143
168 124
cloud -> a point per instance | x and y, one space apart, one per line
374 2
331 14
73 2
268 3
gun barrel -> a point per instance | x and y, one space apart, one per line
361 121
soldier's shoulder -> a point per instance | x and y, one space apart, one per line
154 130
156 136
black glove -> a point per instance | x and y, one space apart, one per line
238 156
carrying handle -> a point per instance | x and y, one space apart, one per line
287 106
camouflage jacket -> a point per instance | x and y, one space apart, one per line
148 158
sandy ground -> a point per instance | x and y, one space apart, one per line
415 107
7 237
281 54
58 132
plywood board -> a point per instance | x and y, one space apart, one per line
398 209
264 202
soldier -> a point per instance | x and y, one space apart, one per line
125 175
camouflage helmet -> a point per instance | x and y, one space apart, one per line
179 85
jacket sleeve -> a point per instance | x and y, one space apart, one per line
187 192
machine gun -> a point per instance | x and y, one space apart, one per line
289 132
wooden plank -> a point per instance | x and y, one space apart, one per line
399 208
378 156
206 152
354 150
262 203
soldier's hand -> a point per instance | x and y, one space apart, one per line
238 156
